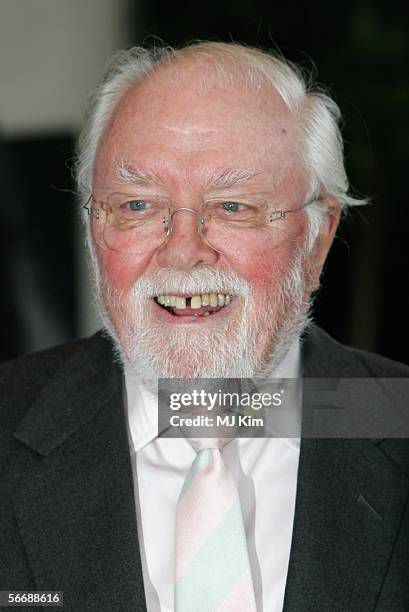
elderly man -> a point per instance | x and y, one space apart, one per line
213 179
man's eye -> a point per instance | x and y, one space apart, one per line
233 206
137 205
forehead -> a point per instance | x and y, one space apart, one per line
191 117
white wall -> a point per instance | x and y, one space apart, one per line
51 54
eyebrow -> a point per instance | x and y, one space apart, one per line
137 176
230 178
218 179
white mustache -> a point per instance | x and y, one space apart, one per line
194 282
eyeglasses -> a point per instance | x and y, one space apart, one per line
131 224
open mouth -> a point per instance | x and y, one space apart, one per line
202 305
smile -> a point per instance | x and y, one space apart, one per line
196 305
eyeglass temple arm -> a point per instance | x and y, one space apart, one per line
281 214
91 210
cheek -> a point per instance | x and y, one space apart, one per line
262 265
121 269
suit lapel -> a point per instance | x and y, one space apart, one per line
349 504
74 494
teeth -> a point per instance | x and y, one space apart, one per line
213 299
181 303
196 301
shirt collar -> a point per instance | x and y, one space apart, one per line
142 407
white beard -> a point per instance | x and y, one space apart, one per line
230 349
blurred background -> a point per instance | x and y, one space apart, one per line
52 53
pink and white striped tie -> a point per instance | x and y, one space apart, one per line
212 570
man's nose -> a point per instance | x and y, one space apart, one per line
185 247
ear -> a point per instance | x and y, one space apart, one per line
326 235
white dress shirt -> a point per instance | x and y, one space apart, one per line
265 471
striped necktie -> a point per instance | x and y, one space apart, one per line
212 570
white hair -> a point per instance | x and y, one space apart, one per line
318 116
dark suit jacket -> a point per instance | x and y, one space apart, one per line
67 515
